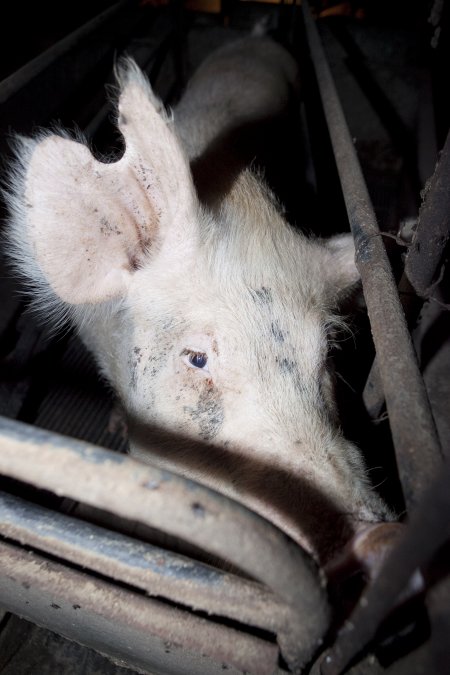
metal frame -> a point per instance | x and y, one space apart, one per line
126 488
417 445
137 631
424 473
93 584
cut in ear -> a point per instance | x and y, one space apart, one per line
340 266
90 225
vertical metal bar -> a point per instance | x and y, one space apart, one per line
413 430
433 228
427 532
422 262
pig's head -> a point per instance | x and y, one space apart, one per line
213 329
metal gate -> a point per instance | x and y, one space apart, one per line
76 518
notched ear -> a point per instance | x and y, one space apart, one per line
90 225
340 266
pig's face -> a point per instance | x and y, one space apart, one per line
212 329
219 351
226 343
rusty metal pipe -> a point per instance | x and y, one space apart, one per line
427 531
417 447
182 508
422 262
143 633
149 568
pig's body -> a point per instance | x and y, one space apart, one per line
245 82
211 325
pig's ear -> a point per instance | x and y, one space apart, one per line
340 267
89 225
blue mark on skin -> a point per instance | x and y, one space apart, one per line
208 413
262 296
289 369
152 484
277 332
98 455
287 366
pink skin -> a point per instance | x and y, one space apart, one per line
211 326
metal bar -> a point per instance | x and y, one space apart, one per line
142 565
422 262
413 430
141 632
182 508
22 77
433 228
373 394
35 92
427 531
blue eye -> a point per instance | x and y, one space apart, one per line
198 359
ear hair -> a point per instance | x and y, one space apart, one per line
79 228
45 304
340 267
19 249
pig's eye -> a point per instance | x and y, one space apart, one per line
196 359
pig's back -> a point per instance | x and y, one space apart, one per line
248 80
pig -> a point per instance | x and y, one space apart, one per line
210 318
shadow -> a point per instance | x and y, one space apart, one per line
273 147
351 360
271 491
216 169
437 329
400 135
435 338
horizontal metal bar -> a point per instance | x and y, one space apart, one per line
413 430
150 568
182 508
141 632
